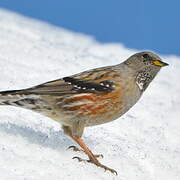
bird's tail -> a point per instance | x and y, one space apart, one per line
21 98
10 97
24 98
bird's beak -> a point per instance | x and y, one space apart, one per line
159 63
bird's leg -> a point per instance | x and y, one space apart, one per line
76 149
92 158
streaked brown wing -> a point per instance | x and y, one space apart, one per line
55 87
93 81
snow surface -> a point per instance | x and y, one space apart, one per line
144 144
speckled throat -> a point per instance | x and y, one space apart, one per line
143 79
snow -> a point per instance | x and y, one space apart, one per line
144 144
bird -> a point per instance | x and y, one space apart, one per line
89 98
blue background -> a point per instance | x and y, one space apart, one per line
140 24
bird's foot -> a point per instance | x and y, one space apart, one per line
76 149
97 163
92 157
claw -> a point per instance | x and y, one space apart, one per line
109 169
79 159
74 148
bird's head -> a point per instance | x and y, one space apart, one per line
142 60
145 66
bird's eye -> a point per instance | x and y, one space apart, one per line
145 56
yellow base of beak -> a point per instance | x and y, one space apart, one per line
159 63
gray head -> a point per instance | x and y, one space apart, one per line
145 59
145 66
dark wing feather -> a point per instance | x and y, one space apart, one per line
70 85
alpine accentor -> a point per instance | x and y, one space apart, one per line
89 98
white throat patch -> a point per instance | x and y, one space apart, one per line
140 85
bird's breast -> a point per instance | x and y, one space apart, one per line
99 108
